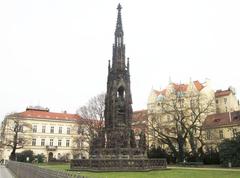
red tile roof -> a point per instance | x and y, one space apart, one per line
139 122
44 114
220 93
181 87
163 92
198 85
141 115
222 119
157 92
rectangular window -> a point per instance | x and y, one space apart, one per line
67 143
34 129
208 135
216 101
220 134
79 130
20 128
168 118
234 132
59 142
60 130
51 142
195 130
43 129
52 129
20 141
225 100
42 142
34 142
79 144
68 130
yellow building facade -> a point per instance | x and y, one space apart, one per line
219 122
226 100
55 135
220 126
184 92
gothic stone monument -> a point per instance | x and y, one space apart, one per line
114 149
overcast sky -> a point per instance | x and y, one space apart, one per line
54 53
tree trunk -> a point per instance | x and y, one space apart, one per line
193 146
181 153
13 154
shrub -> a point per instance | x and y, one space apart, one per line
211 156
229 151
40 158
160 153
22 157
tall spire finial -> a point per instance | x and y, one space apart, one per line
119 7
119 29
119 19
118 46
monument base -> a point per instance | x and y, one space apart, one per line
118 153
118 164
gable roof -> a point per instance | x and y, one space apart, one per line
198 85
139 121
141 115
46 114
222 120
220 93
181 87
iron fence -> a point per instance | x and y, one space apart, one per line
26 170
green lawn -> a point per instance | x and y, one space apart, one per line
171 173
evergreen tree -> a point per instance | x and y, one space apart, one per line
229 151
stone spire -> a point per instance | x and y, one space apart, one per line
118 59
119 29
118 100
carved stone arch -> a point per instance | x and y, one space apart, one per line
121 83
121 92
121 87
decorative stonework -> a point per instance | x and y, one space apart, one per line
117 139
118 164
114 148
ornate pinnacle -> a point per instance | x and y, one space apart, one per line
119 19
119 7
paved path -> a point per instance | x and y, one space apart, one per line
5 173
215 169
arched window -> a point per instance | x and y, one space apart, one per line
121 92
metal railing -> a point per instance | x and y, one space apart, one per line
26 170
51 148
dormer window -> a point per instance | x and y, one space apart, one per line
216 120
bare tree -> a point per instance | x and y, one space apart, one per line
178 122
13 130
91 122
